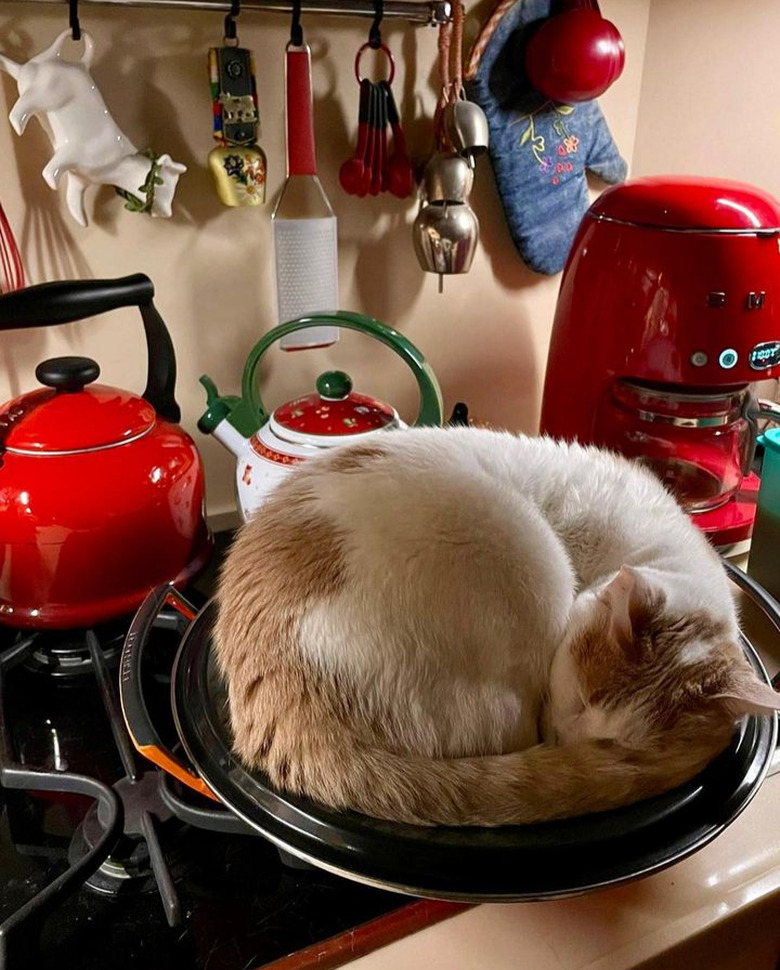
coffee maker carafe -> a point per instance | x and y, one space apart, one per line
667 316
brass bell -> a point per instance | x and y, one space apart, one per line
446 230
448 178
445 236
239 173
467 129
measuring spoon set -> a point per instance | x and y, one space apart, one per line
374 167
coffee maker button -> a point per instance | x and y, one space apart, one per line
728 359
699 359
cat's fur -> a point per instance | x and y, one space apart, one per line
404 621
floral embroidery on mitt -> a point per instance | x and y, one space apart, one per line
569 144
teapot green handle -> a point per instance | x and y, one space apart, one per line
248 415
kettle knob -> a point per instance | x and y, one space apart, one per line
334 385
67 374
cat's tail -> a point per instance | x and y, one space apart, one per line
537 784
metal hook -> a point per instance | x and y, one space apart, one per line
230 21
296 31
374 33
75 26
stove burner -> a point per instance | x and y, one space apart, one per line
129 867
66 654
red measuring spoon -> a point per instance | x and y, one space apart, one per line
400 175
373 146
377 177
352 171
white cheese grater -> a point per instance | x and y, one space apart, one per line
304 226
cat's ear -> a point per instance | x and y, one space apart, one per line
630 601
748 695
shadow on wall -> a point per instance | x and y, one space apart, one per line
192 199
143 98
493 368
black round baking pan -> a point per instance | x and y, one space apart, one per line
510 863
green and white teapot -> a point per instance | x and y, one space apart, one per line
268 446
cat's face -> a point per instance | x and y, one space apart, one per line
631 669
583 701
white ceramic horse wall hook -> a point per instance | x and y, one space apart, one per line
89 147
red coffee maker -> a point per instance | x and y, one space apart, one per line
668 313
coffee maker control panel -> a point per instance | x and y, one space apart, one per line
761 357
765 355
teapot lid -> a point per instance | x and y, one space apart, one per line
335 410
67 417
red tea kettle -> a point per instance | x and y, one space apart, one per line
101 492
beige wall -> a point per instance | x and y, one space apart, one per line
486 337
709 101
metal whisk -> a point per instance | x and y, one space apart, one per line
10 259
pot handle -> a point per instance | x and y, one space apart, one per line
139 725
65 301
248 413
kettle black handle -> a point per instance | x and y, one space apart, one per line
66 301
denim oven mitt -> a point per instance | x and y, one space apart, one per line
539 149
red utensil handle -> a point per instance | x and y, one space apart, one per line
399 145
363 118
301 159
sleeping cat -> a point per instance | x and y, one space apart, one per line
466 627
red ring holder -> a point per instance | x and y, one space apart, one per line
385 50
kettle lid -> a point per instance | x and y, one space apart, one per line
67 416
683 202
334 410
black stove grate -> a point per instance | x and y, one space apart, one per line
16 929
117 844
86 891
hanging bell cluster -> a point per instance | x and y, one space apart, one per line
446 230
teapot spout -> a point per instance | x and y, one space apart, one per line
214 419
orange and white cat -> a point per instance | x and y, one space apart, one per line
466 627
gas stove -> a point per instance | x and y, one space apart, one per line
106 860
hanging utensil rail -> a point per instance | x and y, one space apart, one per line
433 12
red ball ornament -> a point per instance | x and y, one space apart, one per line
575 56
